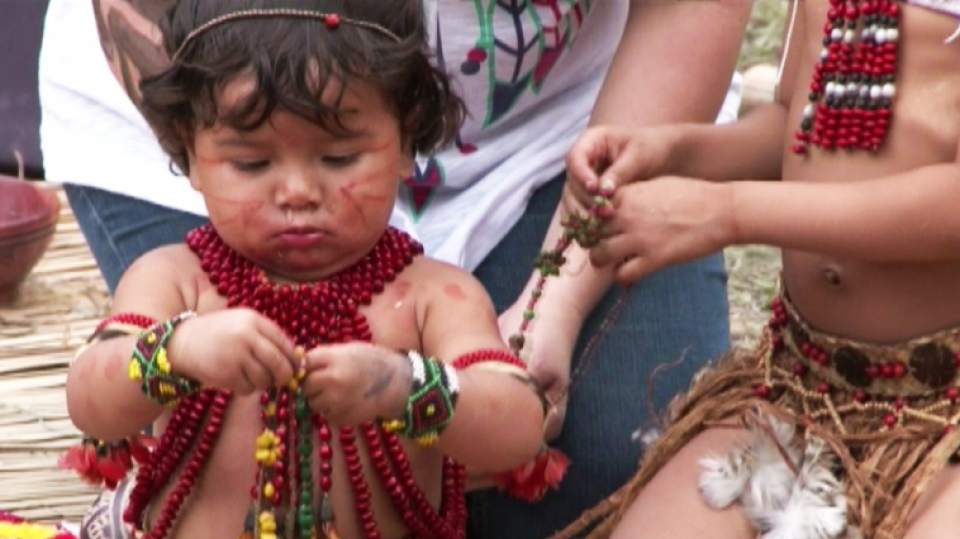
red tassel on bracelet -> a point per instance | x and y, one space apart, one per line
530 480
100 462
103 463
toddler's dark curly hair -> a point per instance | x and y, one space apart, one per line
292 60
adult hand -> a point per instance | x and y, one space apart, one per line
605 158
662 222
355 382
235 349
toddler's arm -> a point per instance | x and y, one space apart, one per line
499 419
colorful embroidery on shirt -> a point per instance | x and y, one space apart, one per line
427 176
519 43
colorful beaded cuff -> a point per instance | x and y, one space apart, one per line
431 402
150 365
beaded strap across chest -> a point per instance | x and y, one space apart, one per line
312 314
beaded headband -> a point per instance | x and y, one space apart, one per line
330 20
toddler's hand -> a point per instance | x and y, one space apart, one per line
356 382
664 221
235 349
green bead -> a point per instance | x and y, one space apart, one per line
537 292
304 448
528 314
300 407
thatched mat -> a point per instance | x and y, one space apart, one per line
59 305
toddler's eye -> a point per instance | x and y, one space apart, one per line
340 160
254 165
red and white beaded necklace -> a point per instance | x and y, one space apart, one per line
852 88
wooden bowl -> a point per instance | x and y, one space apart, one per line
28 219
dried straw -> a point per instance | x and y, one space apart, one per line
58 306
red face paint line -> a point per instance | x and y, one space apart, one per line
245 208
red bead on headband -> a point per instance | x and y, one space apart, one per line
330 20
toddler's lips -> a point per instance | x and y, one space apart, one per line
300 238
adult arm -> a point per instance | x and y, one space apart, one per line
131 39
645 86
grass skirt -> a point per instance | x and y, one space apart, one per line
888 413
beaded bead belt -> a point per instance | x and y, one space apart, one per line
921 366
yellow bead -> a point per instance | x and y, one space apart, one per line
162 362
431 409
391 425
426 439
133 370
268 490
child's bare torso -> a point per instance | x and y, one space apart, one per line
221 498
880 301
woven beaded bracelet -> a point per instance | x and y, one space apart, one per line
431 402
149 364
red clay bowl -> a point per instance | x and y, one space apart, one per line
28 219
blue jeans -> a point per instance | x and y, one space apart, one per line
119 229
676 312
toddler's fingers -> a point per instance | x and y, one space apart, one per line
257 375
632 269
315 359
629 166
281 341
582 158
611 250
274 361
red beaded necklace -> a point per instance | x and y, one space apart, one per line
313 314
852 88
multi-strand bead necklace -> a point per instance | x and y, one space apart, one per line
284 501
852 88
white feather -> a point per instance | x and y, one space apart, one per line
724 478
781 504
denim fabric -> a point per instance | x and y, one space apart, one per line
677 312
119 228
